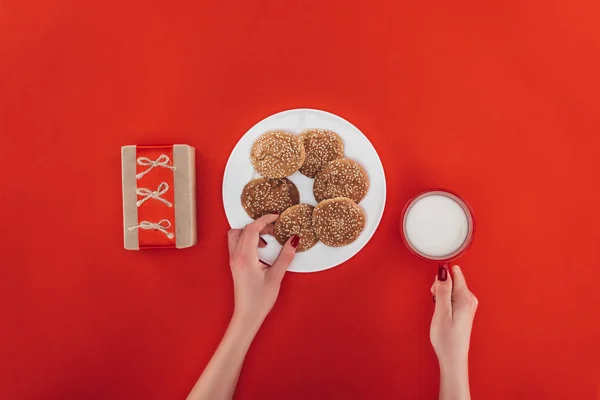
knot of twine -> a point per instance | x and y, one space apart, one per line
161 226
162 161
149 194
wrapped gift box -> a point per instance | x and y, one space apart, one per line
159 196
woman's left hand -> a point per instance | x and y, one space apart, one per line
256 284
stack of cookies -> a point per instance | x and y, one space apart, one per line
339 185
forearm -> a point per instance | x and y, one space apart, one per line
219 379
454 383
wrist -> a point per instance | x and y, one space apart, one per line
457 371
454 381
454 363
245 323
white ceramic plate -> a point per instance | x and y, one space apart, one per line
239 171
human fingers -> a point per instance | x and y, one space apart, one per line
280 266
461 294
460 284
268 230
233 236
249 240
261 223
264 263
465 302
443 294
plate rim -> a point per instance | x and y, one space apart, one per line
378 221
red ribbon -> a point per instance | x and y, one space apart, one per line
152 210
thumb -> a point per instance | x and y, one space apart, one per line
443 294
463 298
280 266
460 284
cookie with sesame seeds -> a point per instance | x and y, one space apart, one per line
269 196
296 221
277 154
321 146
338 222
341 178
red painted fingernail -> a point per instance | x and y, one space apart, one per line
442 273
263 241
295 241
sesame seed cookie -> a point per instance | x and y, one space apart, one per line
269 196
338 222
296 221
321 146
341 178
277 154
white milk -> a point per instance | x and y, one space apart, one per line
436 226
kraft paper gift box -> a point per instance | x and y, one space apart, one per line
159 196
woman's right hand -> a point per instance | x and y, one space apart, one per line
256 288
450 331
256 284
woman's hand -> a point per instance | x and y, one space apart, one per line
450 331
256 288
256 284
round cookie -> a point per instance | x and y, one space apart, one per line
269 196
321 146
296 221
338 222
277 154
341 178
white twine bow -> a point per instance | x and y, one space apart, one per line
161 226
162 161
149 194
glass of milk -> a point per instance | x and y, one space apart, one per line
437 225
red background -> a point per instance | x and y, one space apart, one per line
156 211
495 100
